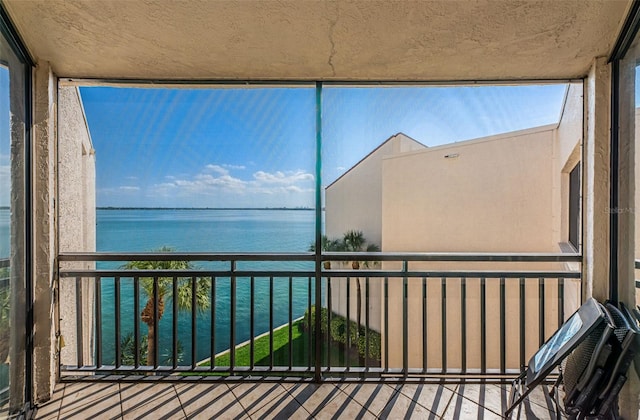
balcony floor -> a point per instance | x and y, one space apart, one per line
258 400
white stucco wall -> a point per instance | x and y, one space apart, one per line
76 217
491 195
495 196
352 202
596 202
504 193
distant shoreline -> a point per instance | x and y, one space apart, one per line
207 208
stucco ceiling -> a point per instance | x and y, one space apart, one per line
345 40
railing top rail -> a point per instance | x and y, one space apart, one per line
186 256
330 273
452 256
327 256
186 273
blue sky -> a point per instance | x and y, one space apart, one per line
255 147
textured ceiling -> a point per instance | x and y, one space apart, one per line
343 40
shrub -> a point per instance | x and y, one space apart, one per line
308 321
127 348
338 329
375 351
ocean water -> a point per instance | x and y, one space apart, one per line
124 230
5 232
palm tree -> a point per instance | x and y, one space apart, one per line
164 288
354 241
327 244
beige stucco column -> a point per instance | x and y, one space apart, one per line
44 252
64 219
597 100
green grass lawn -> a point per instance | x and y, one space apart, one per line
300 351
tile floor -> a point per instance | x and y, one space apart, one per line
262 400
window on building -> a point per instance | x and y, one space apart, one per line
15 366
574 206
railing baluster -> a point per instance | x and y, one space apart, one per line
424 325
522 323
386 324
117 321
212 360
405 320
290 322
271 323
347 324
560 302
443 292
194 325
174 322
366 322
463 323
541 326
252 323
79 321
156 315
483 325
311 327
136 322
503 347
329 313
232 320
98 306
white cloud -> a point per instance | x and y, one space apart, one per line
217 168
236 167
224 168
223 181
216 183
165 185
129 188
296 189
279 177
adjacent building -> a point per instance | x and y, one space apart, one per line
516 192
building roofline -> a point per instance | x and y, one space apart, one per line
372 152
564 104
84 117
494 137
